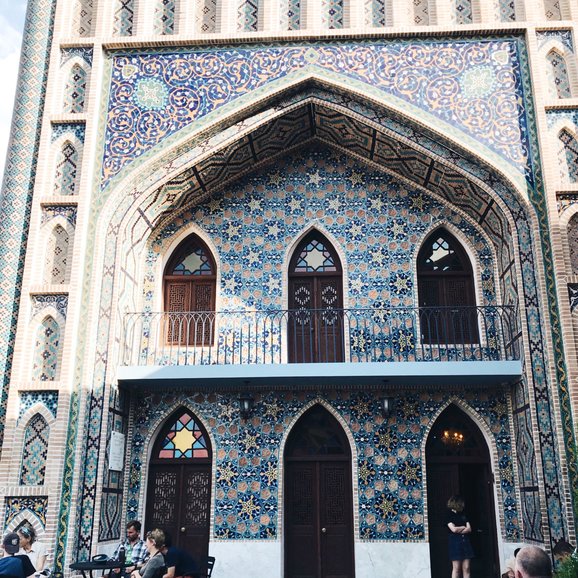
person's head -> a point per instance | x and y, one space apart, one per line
533 562
133 530
562 550
27 535
11 543
155 540
456 503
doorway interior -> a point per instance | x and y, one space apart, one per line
458 462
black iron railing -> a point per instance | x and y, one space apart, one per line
321 335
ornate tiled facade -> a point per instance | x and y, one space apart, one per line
251 144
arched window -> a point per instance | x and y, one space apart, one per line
558 75
179 483
573 243
65 182
34 452
446 291
165 17
568 157
190 289
315 302
46 351
56 260
208 17
75 90
552 10
464 12
123 17
421 13
83 17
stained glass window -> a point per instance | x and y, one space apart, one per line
315 258
197 262
184 440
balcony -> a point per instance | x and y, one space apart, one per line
404 345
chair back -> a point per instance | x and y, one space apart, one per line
206 568
210 564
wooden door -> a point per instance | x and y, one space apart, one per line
178 501
315 320
179 484
318 500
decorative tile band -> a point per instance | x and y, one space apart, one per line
31 398
36 505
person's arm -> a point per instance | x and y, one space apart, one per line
170 572
467 529
41 560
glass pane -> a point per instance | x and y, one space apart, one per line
315 258
440 256
184 440
317 434
196 262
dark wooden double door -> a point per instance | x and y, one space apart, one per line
318 501
463 471
178 500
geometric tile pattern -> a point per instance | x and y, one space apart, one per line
76 129
56 257
476 68
390 482
75 90
507 10
82 52
83 17
557 72
563 36
46 352
464 12
552 10
30 398
208 17
421 12
19 176
66 174
568 157
333 14
67 212
34 452
572 232
248 15
164 22
377 13
123 18
292 15
42 302
37 506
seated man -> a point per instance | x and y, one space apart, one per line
135 550
178 561
12 566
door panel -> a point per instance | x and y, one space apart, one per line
301 323
179 501
319 525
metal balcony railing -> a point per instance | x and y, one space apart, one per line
321 335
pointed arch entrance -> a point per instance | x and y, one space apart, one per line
179 483
318 499
315 302
458 462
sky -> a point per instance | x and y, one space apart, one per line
12 14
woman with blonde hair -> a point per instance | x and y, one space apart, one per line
460 548
154 567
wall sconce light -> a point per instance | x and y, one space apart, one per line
386 406
246 403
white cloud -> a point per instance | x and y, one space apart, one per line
10 40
